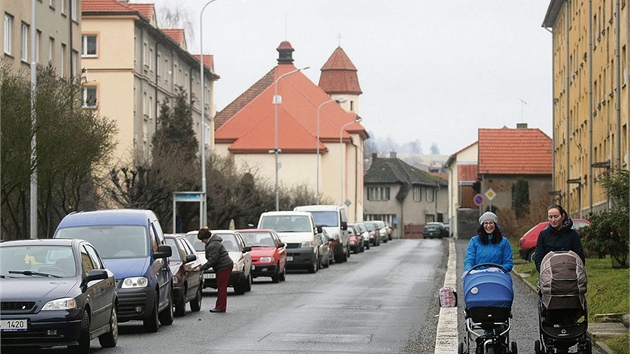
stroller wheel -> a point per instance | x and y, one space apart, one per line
537 349
513 349
460 349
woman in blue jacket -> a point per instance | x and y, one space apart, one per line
489 245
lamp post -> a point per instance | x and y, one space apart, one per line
341 153
204 207
276 101
338 100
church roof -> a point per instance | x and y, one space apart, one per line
339 75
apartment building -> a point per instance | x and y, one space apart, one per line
57 35
590 98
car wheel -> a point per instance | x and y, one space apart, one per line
195 304
531 255
84 336
367 245
275 278
180 305
312 268
166 316
327 263
109 339
248 285
152 323
283 274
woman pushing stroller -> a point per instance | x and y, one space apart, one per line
488 292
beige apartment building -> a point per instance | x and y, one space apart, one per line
57 36
131 66
590 98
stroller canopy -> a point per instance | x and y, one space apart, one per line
488 288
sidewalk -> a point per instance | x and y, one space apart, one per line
595 330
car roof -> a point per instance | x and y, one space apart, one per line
318 207
286 213
255 230
42 242
108 217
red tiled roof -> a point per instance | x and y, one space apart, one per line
251 128
467 172
339 75
146 10
177 35
106 6
520 151
208 60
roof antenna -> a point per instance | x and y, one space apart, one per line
286 26
523 103
339 39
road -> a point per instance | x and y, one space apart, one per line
384 300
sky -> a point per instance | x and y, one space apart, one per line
430 71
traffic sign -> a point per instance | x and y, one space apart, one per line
490 194
478 199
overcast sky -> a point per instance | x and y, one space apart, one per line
433 71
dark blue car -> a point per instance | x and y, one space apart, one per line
56 293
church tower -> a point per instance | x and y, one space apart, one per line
339 79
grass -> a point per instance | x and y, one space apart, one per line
608 291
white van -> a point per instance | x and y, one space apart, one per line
298 231
333 219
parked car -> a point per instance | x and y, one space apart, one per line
355 238
333 219
382 230
527 243
56 293
390 230
269 253
241 276
375 239
361 229
132 245
326 250
187 282
434 230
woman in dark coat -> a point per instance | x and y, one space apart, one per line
558 236
218 259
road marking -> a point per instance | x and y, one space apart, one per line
447 338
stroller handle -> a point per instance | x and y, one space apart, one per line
494 265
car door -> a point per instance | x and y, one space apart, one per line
160 266
281 249
194 277
247 258
100 292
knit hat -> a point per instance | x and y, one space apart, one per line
488 216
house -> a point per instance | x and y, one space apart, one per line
58 35
484 173
403 195
591 99
280 124
131 66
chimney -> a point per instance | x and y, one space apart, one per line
285 53
392 155
374 157
521 125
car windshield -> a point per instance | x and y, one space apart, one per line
325 218
258 239
369 227
198 246
37 261
229 242
176 256
111 241
432 227
286 223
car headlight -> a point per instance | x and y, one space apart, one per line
267 259
60 304
135 282
306 244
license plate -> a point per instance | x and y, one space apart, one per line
13 325
289 258
210 276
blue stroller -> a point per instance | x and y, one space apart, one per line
488 296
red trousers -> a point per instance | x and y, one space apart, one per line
223 278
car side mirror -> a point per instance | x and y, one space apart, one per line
319 229
281 244
344 225
190 258
163 251
247 249
96 274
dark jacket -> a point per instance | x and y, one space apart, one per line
216 255
551 239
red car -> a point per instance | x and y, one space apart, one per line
527 244
269 254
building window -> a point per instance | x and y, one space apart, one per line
417 194
8 33
24 43
63 6
430 195
51 50
74 63
378 193
73 10
89 46
38 41
62 61
89 97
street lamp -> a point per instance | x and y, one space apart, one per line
204 208
341 152
276 101
338 100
